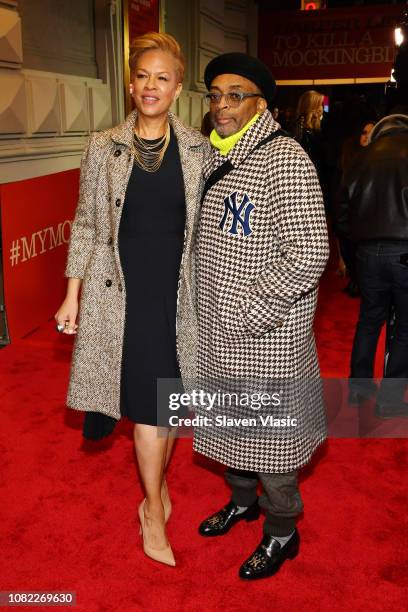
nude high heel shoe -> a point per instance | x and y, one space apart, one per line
163 555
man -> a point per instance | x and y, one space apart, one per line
373 212
261 248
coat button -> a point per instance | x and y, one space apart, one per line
110 241
108 283
118 202
279 323
120 287
117 152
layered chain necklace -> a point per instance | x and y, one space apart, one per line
149 156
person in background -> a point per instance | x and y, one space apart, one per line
365 134
352 146
307 124
286 118
130 250
373 212
355 143
306 129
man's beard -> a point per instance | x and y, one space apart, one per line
224 130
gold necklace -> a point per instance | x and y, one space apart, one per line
149 157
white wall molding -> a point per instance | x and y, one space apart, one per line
41 146
11 46
43 104
13 103
36 102
100 107
13 170
74 106
47 116
213 8
211 34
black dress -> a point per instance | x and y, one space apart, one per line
151 235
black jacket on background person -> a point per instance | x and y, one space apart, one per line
315 145
374 196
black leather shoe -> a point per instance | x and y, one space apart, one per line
268 557
391 412
221 522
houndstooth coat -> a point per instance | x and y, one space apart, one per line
93 256
262 246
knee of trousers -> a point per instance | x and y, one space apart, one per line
281 496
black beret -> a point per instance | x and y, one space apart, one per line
245 65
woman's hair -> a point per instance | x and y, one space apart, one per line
154 41
309 109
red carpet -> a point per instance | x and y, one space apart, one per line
68 511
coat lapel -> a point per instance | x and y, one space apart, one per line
191 156
119 167
122 134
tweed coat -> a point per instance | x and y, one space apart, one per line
262 246
93 256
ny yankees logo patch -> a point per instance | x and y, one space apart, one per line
237 215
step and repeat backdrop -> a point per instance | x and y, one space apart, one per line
36 218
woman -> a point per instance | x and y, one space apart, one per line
131 250
309 113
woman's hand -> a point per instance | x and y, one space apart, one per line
68 311
67 315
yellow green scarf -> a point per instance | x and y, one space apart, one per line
224 145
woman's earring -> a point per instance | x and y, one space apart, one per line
131 89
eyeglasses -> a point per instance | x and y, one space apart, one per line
232 99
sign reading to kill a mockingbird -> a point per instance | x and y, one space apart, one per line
353 42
